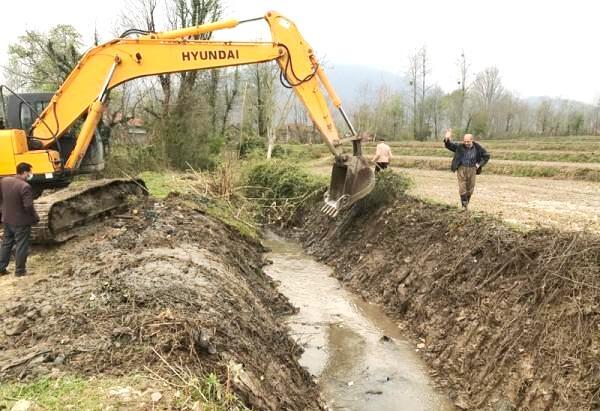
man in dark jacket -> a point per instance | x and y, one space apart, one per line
469 159
18 215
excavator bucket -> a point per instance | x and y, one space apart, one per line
351 179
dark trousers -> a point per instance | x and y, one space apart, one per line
380 167
19 235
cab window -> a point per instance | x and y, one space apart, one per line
27 116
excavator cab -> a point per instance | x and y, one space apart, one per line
21 110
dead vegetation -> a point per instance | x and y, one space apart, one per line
165 291
509 319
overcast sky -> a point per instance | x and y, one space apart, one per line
542 48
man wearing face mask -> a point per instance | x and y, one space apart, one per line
469 159
18 215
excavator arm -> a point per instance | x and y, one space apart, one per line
106 66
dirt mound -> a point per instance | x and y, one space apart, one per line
509 320
164 285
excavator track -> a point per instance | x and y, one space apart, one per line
65 212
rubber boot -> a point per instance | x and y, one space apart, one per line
464 201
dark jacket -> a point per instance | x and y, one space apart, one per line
16 198
459 149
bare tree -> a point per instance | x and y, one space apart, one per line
214 77
425 71
523 118
189 102
301 122
413 78
463 71
595 127
263 82
283 114
488 86
193 13
544 116
363 113
435 109
418 71
230 92
488 90
144 14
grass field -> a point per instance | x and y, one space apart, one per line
570 158
552 182
517 154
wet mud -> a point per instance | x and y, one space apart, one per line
507 320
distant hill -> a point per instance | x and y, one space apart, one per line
535 101
349 81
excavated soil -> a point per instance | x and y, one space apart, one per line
166 281
507 320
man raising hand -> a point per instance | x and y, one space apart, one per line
469 159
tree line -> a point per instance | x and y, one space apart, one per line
191 115
480 104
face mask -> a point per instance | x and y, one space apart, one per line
29 177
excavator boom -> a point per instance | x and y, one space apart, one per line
104 67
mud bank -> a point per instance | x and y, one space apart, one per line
508 320
162 288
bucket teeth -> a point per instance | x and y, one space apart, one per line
329 210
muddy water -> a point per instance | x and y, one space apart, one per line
356 352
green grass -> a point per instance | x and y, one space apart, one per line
81 393
299 152
573 144
160 183
502 154
569 157
581 150
516 170
69 391
576 150
244 224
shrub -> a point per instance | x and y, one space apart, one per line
133 160
299 152
279 180
280 188
251 144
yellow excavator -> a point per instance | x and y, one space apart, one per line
56 158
